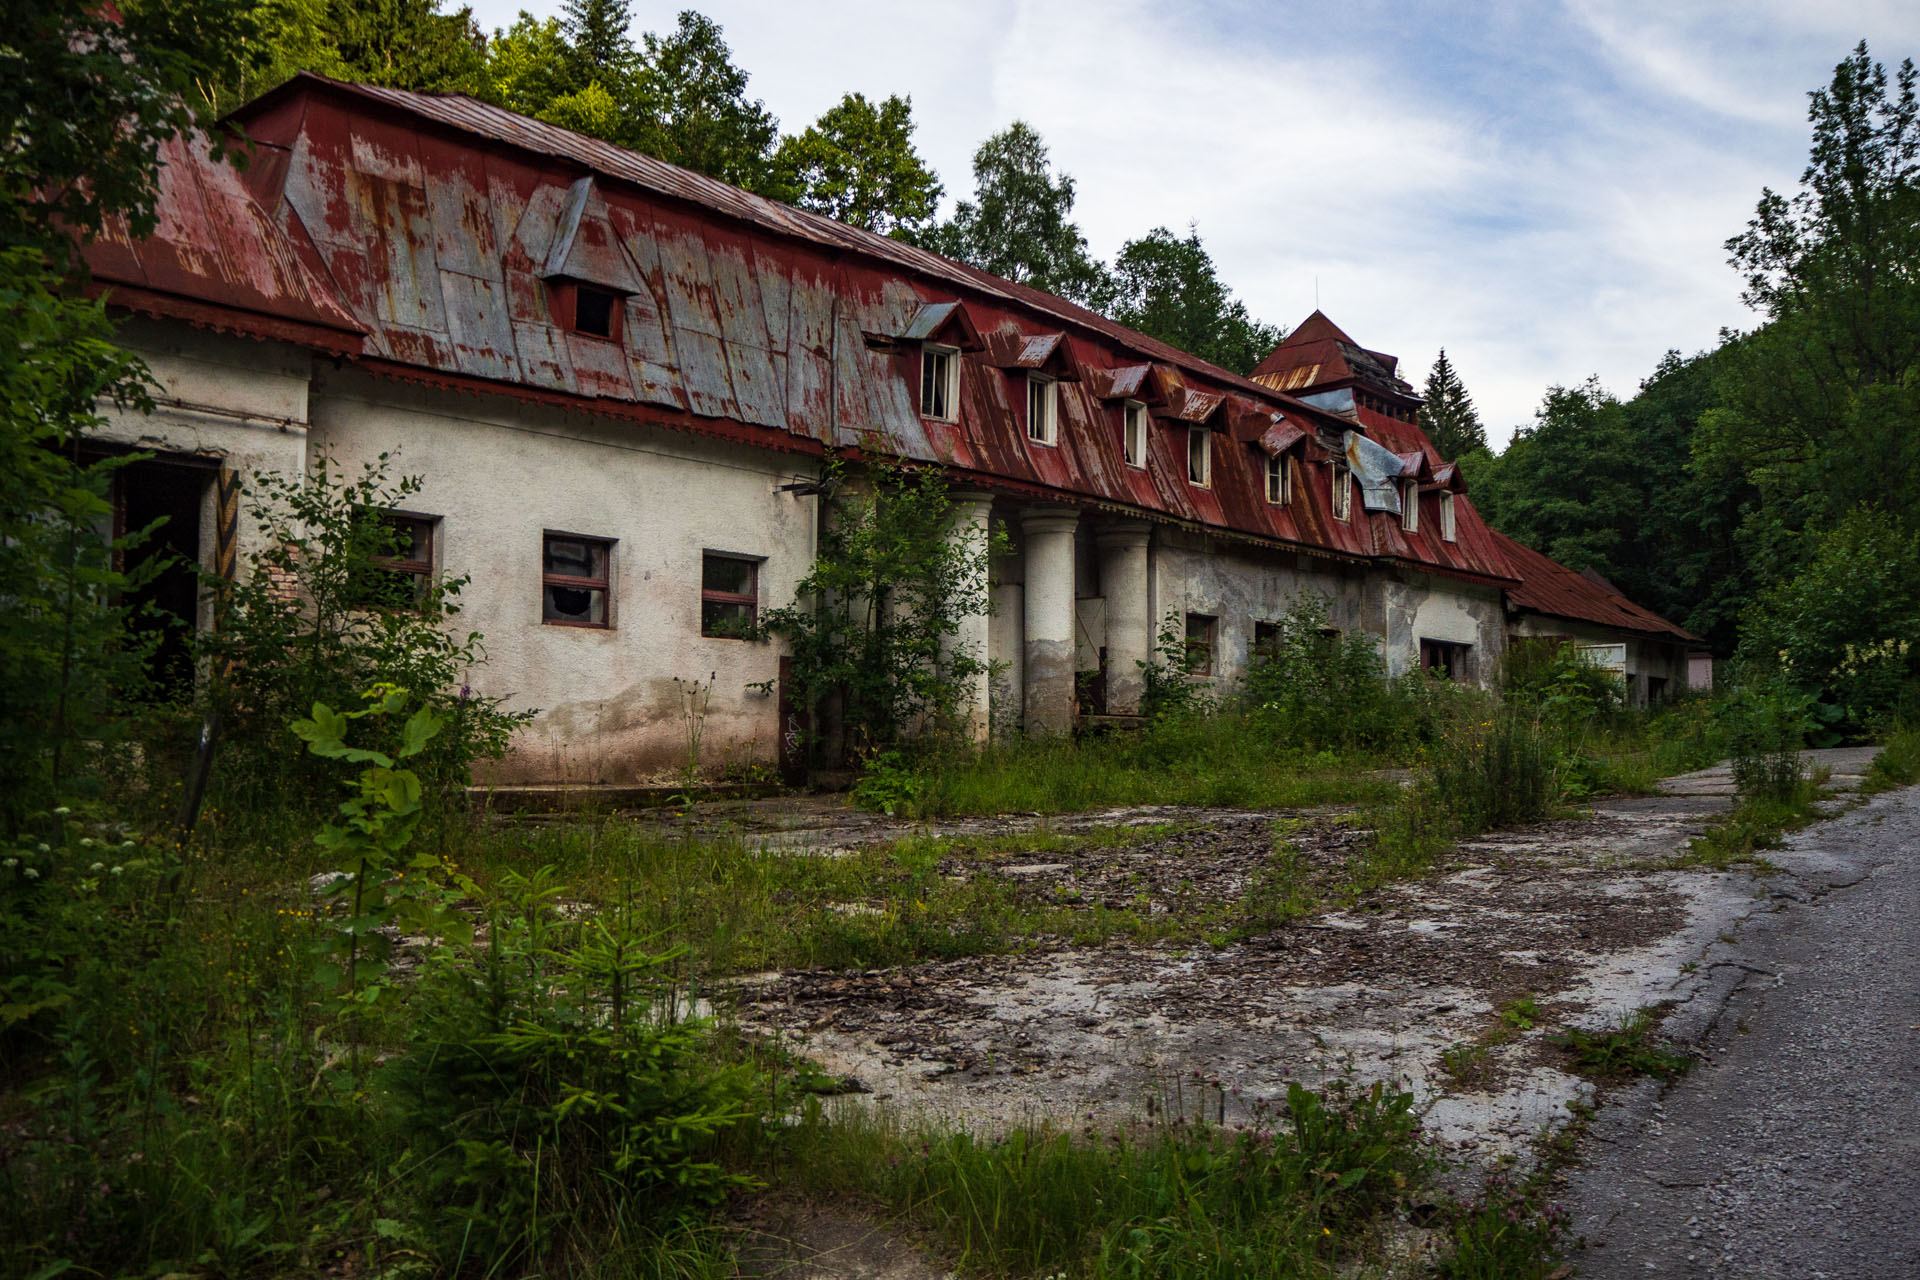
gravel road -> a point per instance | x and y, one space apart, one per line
1794 1150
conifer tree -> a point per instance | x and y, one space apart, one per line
1449 417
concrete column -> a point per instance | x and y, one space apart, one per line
1049 616
1123 580
1008 627
971 515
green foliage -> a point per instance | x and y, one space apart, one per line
1168 686
690 107
1897 764
553 1094
1019 224
888 784
408 44
1631 1047
1319 689
1167 288
1843 626
1767 723
857 163
873 623
1448 416
369 848
1486 774
1275 1197
1504 1233
315 611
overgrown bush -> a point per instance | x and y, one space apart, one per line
316 610
1504 1233
1320 689
555 1093
872 625
1493 773
1767 722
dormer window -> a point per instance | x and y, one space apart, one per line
1342 492
1133 420
1200 457
1410 506
940 382
1279 481
1043 410
1446 517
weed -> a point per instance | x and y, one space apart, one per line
1467 1063
1756 824
1521 1014
1896 765
1630 1048
1505 1233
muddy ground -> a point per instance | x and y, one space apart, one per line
1581 916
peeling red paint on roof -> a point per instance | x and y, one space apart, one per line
215 250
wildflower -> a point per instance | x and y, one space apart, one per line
116 871
44 847
98 866
62 812
86 842
31 874
10 863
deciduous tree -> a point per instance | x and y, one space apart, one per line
857 163
1167 288
1019 224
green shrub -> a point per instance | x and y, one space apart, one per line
1630 1047
555 1090
1897 764
1493 773
1767 724
1505 1233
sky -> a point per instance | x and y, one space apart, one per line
1542 188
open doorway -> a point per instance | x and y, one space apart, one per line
164 609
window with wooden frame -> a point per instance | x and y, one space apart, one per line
403 563
1133 432
1446 517
1448 658
939 382
1201 630
1279 480
596 312
1342 492
1043 409
1410 505
1200 457
729 596
575 584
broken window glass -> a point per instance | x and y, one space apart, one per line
574 583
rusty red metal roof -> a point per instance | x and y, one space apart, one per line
1320 356
213 252
432 234
1549 587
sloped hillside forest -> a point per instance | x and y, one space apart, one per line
297 1006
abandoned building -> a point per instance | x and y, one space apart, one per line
619 381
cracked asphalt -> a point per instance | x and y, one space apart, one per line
1793 1149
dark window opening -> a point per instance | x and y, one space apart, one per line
164 500
403 561
1199 651
1656 689
729 596
593 311
1266 640
574 586
1452 660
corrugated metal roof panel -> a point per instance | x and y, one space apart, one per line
1549 587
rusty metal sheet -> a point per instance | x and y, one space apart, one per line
585 246
480 326
459 212
692 314
776 295
812 302
1546 586
1280 437
761 395
600 367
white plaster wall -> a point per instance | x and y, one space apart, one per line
499 474
242 401
1424 608
1646 657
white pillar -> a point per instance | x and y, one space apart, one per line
972 513
1123 581
1049 615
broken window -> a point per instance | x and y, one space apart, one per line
1043 408
404 563
1266 640
574 583
1453 660
1342 493
939 383
1133 416
1200 456
1199 649
729 596
1446 517
593 311
1279 481
1410 506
